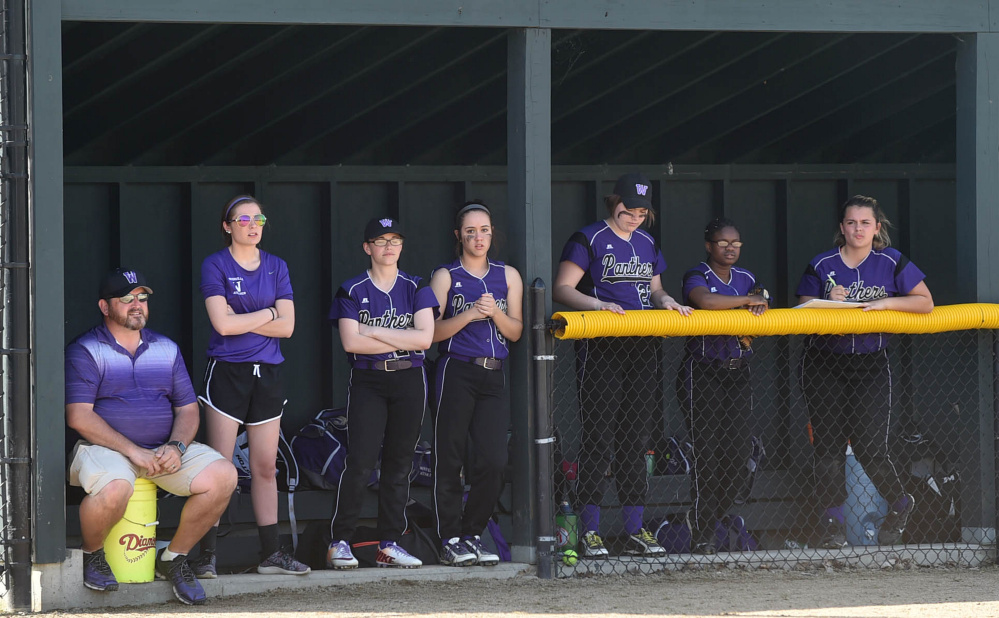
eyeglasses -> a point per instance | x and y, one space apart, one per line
724 243
381 242
128 298
244 220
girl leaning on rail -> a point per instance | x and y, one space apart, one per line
612 265
481 301
715 388
846 379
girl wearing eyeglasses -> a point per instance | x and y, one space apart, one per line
715 389
385 318
481 300
613 265
251 308
846 379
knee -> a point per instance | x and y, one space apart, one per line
263 470
219 477
115 495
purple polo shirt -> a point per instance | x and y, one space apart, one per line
716 347
883 273
479 337
135 396
615 270
245 291
360 299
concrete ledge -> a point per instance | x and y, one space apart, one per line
873 557
60 586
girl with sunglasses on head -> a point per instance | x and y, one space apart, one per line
613 265
846 379
386 322
715 389
251 308
482 310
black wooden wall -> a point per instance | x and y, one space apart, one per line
163 221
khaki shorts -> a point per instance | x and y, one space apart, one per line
92 467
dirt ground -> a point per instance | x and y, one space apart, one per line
922 593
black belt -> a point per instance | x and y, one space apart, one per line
387 365
488 362
727 363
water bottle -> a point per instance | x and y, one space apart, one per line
566 528
650 462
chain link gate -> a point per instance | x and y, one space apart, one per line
740 463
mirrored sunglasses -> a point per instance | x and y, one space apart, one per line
128 298
244 220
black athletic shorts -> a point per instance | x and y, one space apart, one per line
248 393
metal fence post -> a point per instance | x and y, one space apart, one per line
541 359
995 433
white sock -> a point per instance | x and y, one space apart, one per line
168 555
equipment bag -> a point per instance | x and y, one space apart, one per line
321 450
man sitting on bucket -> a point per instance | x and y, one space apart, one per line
129 396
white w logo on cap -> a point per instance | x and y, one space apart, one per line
130 277
641 189
385 222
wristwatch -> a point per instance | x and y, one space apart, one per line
180 446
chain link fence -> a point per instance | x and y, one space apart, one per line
15 337
783 458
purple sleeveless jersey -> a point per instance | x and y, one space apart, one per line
481 337
714 347
360 299
883 273
616 270
245 291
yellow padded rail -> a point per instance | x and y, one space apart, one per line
661 323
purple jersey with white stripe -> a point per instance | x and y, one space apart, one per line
883 273
481 337
616 270
134 395
715 347
360 299
245 291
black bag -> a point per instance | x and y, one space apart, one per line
934 482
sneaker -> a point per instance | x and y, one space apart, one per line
704 548
896 520
394 556
339 556
97 574
833 533
204 566
457 553
593 546
483 557
178 572
643 543
281 563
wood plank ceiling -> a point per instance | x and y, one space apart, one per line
197 94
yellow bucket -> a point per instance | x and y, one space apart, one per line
130 547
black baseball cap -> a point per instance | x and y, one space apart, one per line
384 225
635 191
121 281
